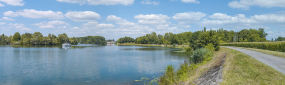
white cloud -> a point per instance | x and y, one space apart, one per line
220 19
184 24
83 16
130 27
152 19
220 16
1 5
90 24
10 13
6 18
113 18
125 23
162 26
52 24
14 2
19 26
190 1
25 29
100 2
95 25
150 2
245 4
103 25
2 23
186 18
74 28
270 18
189 16
166 27
31 13
151 22
237 20
73 1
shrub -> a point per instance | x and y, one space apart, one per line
188 50
173 44
210 47
200 55
169 77
183 71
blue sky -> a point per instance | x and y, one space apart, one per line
118 18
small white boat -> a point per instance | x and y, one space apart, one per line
66 45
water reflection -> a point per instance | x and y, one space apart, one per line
101 65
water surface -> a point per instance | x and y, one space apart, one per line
84 64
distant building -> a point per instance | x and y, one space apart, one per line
111 42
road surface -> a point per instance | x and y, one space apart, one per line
275 62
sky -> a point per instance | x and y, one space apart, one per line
119 18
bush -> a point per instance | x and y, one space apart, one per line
169 77
200 55
188 50
173 44
183 71
210 47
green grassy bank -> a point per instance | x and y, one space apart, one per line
241 69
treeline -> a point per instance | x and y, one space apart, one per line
224 36
93 40
38 39
279 39
251 35
126 40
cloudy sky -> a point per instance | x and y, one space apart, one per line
118 18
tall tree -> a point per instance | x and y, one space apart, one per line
16 36
36 38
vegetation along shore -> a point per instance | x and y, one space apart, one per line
204 50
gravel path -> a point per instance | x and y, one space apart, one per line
273 61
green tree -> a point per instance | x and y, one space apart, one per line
26 38
62 38
46 40
16 37
36 38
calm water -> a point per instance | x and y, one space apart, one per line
84 65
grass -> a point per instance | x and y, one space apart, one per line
275 53
241 69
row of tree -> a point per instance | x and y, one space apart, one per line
126 40
246 35
93 40
38 39
279 39
200 38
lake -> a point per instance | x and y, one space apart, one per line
84 64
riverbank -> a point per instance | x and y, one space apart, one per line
242 69
204 67
238 68
162 45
